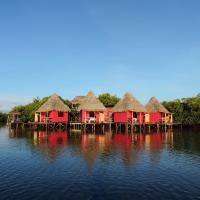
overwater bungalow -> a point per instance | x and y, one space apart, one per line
157 113
91 109
129 110
54 110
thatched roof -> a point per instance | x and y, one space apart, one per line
91 103
14 113
77 100
54 103
155 106
129 103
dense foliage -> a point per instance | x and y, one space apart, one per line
28 111
3 118
108 100
186 110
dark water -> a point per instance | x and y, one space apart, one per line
36 165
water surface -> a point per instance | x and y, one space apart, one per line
60 165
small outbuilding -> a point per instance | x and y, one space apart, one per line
91 109
129 110
54 110
157 113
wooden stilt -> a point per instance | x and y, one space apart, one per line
132 127
158 127
103 128
126 127
149 126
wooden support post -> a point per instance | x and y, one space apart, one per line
158 128
110 127
126 127
103 128
165 121
132 127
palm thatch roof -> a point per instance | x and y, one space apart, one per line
77 100
14 113
129 103
54 103
155 106
91 103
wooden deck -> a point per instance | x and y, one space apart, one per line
93 127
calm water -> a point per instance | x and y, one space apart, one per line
36 165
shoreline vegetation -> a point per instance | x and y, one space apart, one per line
186 111
3 118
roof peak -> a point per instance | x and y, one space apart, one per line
54 103
128 103
90 93
91 103
154 105
54 95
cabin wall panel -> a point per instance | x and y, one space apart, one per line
155 118
53 116
120 117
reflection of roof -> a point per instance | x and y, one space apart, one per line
54 103
128 103
155 106
91 103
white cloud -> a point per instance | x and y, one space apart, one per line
8 102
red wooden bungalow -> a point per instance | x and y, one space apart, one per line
129 110
54 110
157 113
92 110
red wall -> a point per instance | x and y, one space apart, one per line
124 117
53 115
120 117
155 117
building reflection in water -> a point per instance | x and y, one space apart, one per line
51 144
91 147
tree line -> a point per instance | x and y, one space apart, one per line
3 118
185 111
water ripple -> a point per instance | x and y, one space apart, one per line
112 166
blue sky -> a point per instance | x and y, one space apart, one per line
149 48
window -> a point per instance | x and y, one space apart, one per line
60 114
134 115
92 114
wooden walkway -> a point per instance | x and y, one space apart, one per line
93 127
